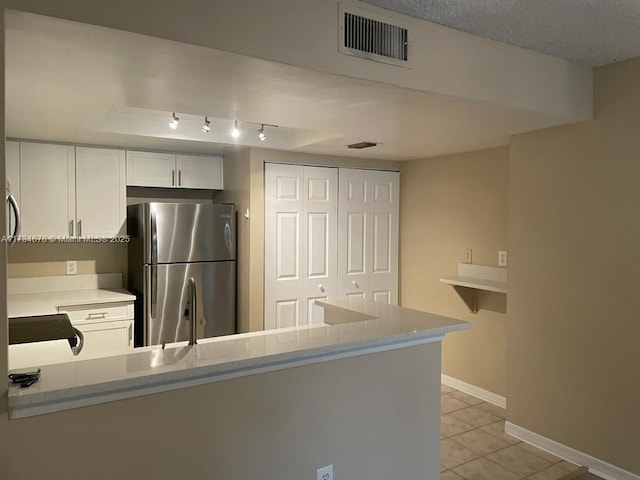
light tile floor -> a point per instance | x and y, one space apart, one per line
475 447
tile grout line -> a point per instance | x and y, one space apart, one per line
550 463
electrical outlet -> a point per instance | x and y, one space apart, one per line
468 255
72 267
502 258
325 473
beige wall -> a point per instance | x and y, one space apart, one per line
47 259
4 325
574 303
237 191
304 33
258 158
448 204
375 416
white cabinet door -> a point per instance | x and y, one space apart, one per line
101 192
198 171
151 169
12 163
368 234
106 338
47 189
300 242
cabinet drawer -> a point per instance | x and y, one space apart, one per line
105 312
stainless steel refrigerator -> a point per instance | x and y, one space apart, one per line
181 254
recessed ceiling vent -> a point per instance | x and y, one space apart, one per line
373 38
361 145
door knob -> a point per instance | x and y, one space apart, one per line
355 284
321 287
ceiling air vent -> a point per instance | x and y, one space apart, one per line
361 145
373 38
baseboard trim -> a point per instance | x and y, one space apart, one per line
595 465
478 392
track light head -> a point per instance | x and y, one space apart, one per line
235 131
261 135
174 121
206 126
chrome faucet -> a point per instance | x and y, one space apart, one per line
191 311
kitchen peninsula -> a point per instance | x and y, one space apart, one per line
361 392
353 327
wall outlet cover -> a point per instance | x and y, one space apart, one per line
502 258
325 473
72 267
468 255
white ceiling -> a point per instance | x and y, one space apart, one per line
67 81
590 32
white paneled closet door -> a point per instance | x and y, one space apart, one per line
368 234
300 243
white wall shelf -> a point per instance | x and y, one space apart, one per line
472 278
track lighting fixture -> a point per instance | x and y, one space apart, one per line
206 126
174 121
261 135
235 131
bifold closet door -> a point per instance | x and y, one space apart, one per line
300 243
368 223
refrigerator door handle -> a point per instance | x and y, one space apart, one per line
193 333
154 236
152 298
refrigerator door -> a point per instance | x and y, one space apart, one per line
188 232
168 297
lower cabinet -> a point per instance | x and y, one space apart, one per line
106 338
107 330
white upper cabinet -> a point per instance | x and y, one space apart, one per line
197 171
47 189
100 192
152 169
72 192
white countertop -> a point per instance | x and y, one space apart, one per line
43 295
379 327
46 303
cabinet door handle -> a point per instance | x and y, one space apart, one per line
355 284
130 334
71 228
321 287
179 177
79 228
173 178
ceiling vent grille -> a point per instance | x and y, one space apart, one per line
373 39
